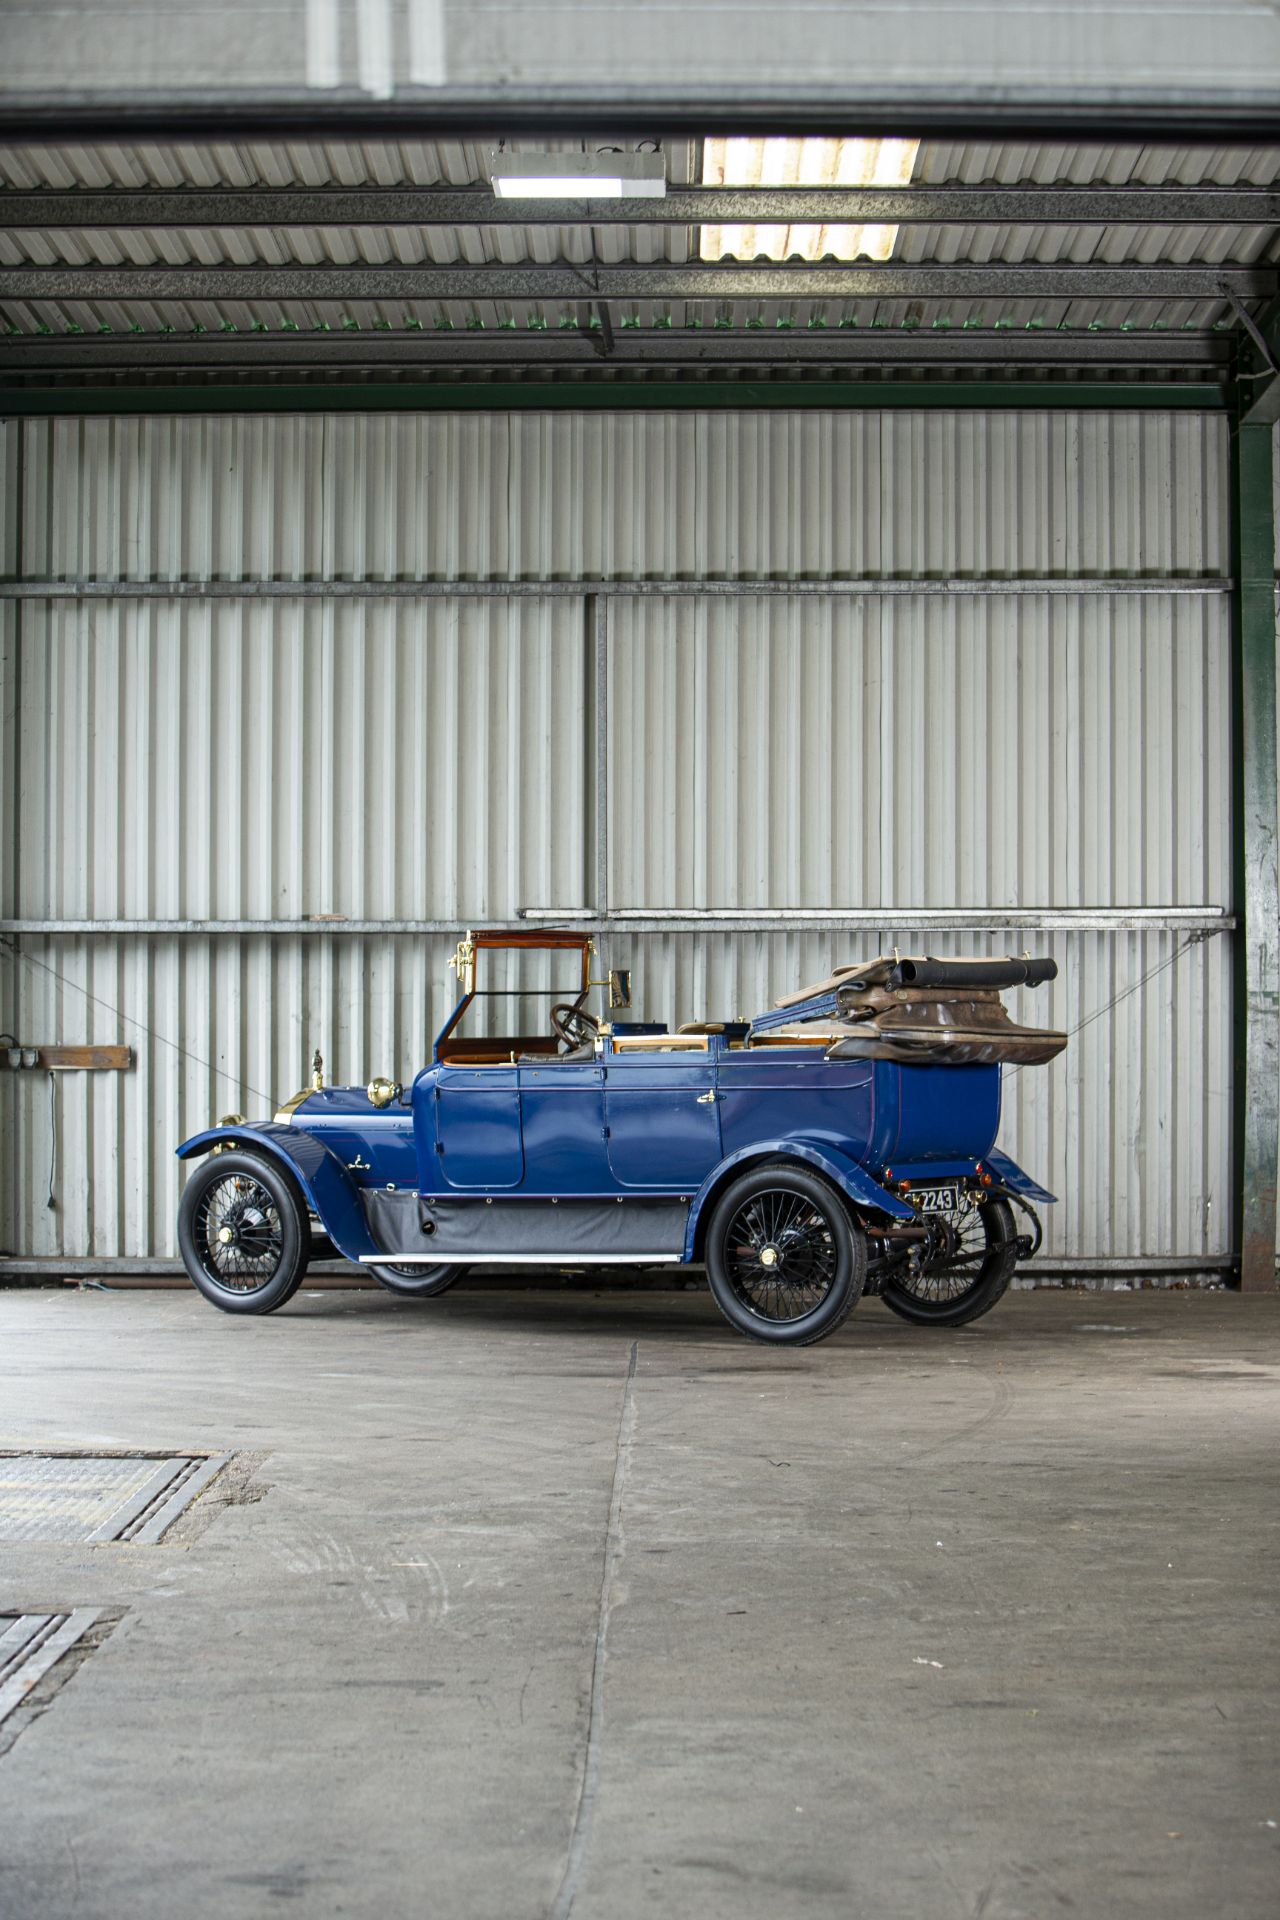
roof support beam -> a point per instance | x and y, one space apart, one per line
156 208
616 395
293 353
959 107
563 280
1256 1080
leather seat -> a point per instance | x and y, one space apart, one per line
576 1056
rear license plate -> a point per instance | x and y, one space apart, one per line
937 1199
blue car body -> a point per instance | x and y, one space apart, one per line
507 1151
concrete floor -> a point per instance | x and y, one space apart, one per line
906 1624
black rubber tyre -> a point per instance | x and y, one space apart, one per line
785 1260
255 1202
418 1283
953 1299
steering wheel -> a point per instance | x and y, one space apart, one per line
573 1024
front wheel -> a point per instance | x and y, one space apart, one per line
244 1233
419 1282
785 1261
978 1273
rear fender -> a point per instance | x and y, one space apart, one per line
847 1175
327 1187
1011 1176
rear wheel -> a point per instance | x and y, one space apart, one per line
423 1283
985 1256
244 1233
785 1261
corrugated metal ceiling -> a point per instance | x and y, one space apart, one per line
463 163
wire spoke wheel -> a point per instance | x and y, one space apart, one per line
948 1283
239 1233
786 1260
966 1281
780 1254
244 1232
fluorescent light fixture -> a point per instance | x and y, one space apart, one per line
578 176
804 163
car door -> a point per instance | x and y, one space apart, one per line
662 1119
478 1132
562 1124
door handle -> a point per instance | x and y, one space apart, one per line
707 1099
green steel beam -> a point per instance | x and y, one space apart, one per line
1258 371
1257 887
1264 408
1258 365
502 396
1109 107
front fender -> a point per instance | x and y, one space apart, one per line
844 1172
327 1187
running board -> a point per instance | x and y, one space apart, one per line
469 1259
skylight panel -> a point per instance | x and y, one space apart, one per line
819 162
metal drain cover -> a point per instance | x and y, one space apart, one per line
73 1499
31 1643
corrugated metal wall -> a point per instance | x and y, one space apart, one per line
432 757
1019 751
274 760
670 496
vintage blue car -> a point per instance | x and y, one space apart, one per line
842 1142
